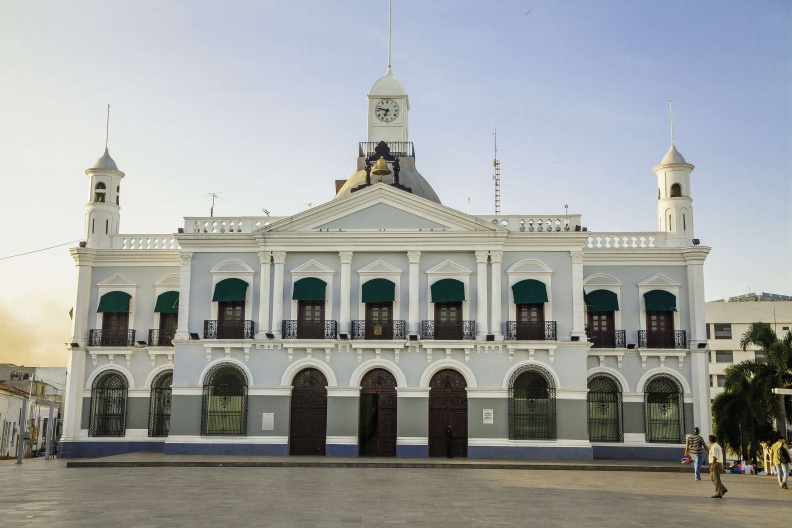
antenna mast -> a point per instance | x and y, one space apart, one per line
496 176
671 118
389 33
211 210
107 127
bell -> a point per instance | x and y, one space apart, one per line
381 168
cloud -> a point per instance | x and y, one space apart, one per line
32 333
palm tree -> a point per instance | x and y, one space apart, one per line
775 372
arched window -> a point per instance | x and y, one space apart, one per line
160 406
99 192
224 401
118 194
532 408
676 190
605 409
664 408
108 405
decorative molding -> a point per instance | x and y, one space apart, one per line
279 257
414 257
577 256
482 256
345 256
265 257
496 257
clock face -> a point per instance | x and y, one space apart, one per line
386 110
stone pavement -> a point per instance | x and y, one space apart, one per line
46 493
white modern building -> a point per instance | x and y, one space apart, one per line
361 327
727 322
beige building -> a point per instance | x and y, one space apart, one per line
727 321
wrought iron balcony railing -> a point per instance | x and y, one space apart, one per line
530 331
607 338
159 337
107 338
214 329
662 339
377 330
399 149
452 330
291 329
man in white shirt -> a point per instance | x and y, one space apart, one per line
748 468
716 467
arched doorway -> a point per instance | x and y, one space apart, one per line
377 424
604 409
160 404
308 428
225 394
108 405
447 404
664 410
532 409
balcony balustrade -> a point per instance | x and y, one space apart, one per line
530 331
214 329
107 338
159 338
292 329
451 330
377 330
662 339
607 338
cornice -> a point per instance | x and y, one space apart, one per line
122 257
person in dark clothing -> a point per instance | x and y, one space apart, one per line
449 435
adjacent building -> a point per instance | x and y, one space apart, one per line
361 327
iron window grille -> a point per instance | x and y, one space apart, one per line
294 329
607 338
108 405
452 330
662 339
377 330
664 409
214 329
107 338
160 404
532 404
605 409
225 402
159 337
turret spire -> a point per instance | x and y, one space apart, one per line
389 33
107 126
671 118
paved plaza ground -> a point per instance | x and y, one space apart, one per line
47 493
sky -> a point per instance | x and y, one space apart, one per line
265 103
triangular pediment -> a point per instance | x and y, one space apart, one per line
117 280
381 207
449 268
311 266
658 280
379 267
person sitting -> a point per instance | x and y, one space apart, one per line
748 468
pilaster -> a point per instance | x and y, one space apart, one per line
182 329
279 259
346 291
496 257
578 303
482 328
414 298
265 259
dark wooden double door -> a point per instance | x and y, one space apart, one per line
602 329
448 320
448 404
379 320
377 418
308 423
311 320
660 326
530 321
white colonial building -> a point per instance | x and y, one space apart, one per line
364 325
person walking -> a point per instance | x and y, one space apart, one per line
694 448
781 459
449 438
716 467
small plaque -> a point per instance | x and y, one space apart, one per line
488 417
268 421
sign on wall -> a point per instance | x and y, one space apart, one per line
268 421
488 416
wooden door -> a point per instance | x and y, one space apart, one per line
308 423
447 404
167 328
530 321
310 323
448 320
379 320
602 330
115 328
660 326
230 319
377 425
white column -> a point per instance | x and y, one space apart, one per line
346 291
279 258
482 329
414 299
699 357
182 329
265 258
497 323
578 303
75 381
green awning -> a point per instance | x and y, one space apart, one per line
167 302
448 290
529 291
230 290
309 289
114 302
660 301
601 301
379 290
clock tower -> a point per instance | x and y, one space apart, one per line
388 108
